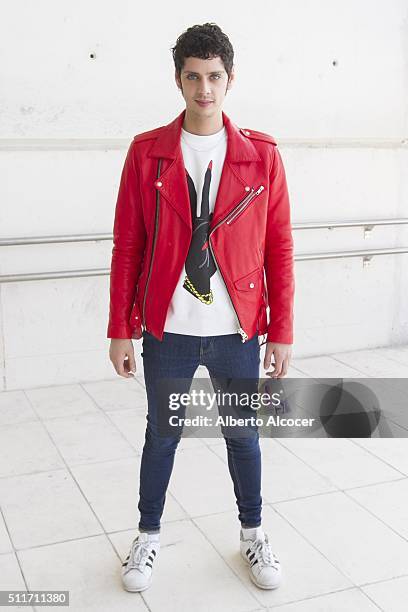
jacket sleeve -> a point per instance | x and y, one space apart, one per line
129 239
278 262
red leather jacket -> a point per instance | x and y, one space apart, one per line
249 235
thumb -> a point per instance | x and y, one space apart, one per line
268 356
132 362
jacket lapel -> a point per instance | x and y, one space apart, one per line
234 177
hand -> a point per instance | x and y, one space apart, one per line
122 356
200 265
282 354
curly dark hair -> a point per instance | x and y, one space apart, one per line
203 41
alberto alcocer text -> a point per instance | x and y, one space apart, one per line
230 421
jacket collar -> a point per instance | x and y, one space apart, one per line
173 182
239 147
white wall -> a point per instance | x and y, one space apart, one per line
66 121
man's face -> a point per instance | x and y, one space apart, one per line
204 79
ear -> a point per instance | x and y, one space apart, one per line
231 78
177 79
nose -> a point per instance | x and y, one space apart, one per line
205 88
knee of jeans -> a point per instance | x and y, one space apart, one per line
249 441
158 442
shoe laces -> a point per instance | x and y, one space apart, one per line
263 551
139 554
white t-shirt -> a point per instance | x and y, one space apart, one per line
200 305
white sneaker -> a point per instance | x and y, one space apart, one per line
138 566
264 567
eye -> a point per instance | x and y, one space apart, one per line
191 77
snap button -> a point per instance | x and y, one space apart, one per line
158 183
247 188
251 285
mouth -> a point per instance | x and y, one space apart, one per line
204 103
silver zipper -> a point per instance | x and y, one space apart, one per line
242 205
240 330
246 200
156 225
230 217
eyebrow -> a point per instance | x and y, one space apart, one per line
213 72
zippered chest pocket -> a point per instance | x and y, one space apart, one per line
243 205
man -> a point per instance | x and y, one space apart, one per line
202 250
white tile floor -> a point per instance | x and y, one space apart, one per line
335 510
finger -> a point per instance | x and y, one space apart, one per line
122 368
127 368
267 358
272 373
285 367
278 368
132 364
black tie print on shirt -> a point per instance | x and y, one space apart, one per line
200 264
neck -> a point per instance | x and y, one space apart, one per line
202 126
